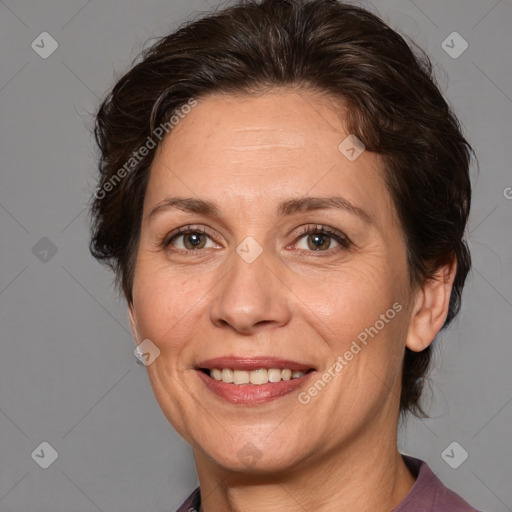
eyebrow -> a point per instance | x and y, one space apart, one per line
285 208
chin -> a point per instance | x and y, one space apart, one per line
258 456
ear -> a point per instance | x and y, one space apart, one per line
431 307
133 323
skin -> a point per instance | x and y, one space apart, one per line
247 154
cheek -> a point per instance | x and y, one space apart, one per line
352 297
358 313
164 306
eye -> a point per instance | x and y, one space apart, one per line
320 238
317 238
188 238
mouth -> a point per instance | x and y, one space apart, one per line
254 380
257 377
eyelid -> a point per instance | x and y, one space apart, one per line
183 230
339 237
322 229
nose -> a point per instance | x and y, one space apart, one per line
251 297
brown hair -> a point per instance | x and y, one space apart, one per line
394 108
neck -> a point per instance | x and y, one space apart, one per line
367 474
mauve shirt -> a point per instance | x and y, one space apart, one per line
428 494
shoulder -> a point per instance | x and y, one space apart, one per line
428 493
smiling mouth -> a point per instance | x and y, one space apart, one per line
257 377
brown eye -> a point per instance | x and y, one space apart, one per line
320 239
187 239
193 241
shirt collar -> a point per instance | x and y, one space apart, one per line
428 494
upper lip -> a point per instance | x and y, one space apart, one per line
253 363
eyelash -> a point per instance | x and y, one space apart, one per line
315 229
311 229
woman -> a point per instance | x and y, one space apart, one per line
283 195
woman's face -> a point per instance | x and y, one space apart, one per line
254 281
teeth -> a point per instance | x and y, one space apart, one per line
256 377
259 376
286 374
227 375
240 377
274 375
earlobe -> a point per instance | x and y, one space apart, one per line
431 308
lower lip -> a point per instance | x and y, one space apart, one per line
252 393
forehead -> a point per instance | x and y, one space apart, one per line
284 120
248 148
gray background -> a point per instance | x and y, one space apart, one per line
67 372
